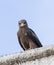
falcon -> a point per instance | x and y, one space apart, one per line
27 37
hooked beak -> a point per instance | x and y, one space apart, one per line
22 24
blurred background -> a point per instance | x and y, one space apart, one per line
39 15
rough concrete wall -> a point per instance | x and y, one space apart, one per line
38 56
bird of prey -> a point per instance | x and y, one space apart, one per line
26 36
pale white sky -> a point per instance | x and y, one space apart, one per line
39 15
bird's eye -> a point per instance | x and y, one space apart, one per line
19 23
24 22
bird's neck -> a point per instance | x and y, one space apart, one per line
23 29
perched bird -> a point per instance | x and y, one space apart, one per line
26 36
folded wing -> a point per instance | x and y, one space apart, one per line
34 37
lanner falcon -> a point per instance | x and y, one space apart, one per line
26 36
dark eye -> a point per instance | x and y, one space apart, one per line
19 23
24 22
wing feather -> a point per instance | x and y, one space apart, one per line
34 37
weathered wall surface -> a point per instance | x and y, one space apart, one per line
38 56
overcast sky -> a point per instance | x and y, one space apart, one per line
39 15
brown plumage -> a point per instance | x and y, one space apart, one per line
26 36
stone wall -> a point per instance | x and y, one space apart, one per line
38 56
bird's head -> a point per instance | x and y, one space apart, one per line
22 23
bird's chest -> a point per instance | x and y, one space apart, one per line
24 39
24 36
